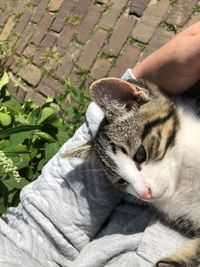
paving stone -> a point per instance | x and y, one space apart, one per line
65 38
90 20
61 16
143 32
23 22
53 84
55 5
92 48
160 37
19 6
137 7
48 42
6 14
31 74
24 39
21 94
35 97
12 89
195 18
102 1
15 65
43 26
152 17
155 13
100 68
8 61
35 2
110 17
29 51
181 12
46 91
70 57
81 7
119 36
39 11
7 29
127 59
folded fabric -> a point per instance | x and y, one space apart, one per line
72 216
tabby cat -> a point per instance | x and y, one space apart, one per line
149 144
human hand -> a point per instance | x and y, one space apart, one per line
175 67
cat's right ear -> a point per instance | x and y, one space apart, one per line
116 96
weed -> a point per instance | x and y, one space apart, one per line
170 27
139 44
17 16
172 2
196 9
113 61
25 60
73 20
109 33
5 48
83 74
53 55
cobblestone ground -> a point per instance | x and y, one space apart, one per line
49 40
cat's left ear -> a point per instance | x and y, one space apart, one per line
116 96
82 152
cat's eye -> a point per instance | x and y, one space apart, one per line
141 155
122 182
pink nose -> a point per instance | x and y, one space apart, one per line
147 194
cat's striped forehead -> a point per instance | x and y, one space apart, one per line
160 125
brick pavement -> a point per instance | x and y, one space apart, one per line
51 40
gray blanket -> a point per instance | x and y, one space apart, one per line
72 216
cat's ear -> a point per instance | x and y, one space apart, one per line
82 152
116 96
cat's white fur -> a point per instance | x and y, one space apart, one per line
175 178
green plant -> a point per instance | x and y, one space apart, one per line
196 8
74 103
170 27
139 44
31 135
172 2
73 19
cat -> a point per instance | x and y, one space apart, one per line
149 145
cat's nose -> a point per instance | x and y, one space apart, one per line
147 194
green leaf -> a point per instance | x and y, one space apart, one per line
5 119
32 117
4 80
41 164
19 129
44 136
19 138
47 114
12 183
51 150
12 105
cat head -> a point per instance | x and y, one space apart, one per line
136 140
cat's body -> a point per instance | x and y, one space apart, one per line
150 147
